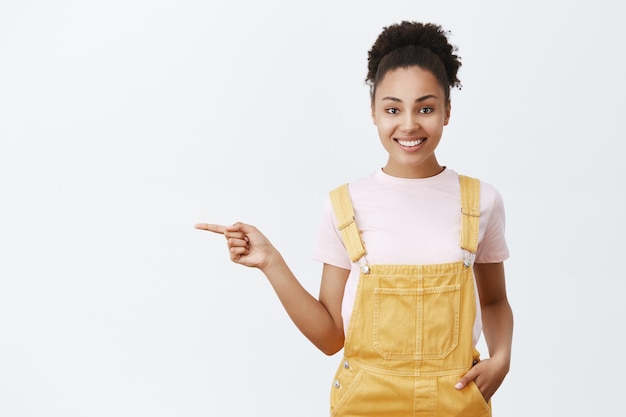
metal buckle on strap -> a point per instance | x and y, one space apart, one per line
363 265
468 258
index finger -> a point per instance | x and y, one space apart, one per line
215 228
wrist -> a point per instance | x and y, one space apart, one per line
272 263
502 360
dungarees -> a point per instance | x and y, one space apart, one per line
410 334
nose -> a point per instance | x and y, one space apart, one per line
410 122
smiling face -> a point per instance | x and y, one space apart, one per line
410 110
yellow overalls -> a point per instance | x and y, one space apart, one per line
410 334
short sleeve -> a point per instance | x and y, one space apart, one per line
492 248
329 247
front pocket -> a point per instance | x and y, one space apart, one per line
468 401
346 380
416 323
480 398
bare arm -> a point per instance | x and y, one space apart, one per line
497 320
319 320
496 312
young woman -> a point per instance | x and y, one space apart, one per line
412 255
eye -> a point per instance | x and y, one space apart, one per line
426 110
392 110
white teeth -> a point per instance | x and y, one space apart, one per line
410 142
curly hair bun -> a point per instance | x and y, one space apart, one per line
417 35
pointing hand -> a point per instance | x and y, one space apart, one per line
247 246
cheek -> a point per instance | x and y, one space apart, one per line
384 124
384 131
436 125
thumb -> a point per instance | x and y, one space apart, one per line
241 227
466 379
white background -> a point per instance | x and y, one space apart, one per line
125 122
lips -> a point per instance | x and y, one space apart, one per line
410 143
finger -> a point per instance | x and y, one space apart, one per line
235 235
237 243
215 228
239 231
241 227
467 378
236 252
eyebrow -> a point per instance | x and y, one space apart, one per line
418 100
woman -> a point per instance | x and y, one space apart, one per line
412 255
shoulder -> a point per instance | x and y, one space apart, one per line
358 186
489 195
491 205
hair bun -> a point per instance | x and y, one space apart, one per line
424 35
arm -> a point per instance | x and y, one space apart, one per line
497 320
319 320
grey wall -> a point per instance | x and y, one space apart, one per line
123 123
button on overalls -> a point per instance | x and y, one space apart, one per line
409 339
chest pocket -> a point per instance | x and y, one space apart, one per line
415 323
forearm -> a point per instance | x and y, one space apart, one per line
319 320
309 314
497 320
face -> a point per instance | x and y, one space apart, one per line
410 110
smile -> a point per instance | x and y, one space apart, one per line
410 143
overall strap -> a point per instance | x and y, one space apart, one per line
342 205
470 209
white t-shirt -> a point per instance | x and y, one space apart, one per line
411 221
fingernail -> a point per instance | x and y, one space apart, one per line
458 385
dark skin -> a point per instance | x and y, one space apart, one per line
497 319
320 319
410 109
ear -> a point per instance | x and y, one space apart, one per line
447 118
373 114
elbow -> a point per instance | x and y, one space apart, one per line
502 302
330 351
332 346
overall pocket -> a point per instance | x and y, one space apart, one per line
416 323
466 402
344 385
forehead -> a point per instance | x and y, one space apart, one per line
406 83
